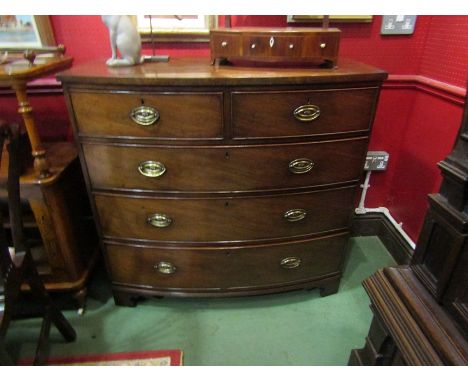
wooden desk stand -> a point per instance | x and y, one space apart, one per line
54 189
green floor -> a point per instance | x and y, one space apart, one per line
296 328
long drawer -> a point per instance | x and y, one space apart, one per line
302 113
240 268
224 168
151 115
224 219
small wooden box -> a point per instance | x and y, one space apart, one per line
292 45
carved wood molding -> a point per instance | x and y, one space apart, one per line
421 329
405 331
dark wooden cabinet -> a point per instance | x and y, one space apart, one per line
222 181
421 310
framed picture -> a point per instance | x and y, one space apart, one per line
333 18
25 31
175 28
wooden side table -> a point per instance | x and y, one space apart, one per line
54 188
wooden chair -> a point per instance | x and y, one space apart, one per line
19 268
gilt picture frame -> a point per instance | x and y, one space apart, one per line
25 31
173 28
332 18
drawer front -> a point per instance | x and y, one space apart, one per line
241 268
224 168
163 115
226 44
323 45
302 113
264 45
225 219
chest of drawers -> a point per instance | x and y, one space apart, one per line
222 181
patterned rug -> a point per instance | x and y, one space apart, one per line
143 358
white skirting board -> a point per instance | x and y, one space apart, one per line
386 213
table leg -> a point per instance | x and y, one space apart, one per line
41 165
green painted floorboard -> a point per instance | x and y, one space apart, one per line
296 328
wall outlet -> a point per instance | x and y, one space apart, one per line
398 24
376 161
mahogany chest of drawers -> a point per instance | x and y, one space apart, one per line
222 181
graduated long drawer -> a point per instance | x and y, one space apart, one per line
224 219
211 168
221 269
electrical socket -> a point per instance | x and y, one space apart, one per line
376 161
398 24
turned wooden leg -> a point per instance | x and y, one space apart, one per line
41 165
124 299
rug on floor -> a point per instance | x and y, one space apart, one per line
142 358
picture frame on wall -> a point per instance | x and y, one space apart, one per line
25 31
175 28
333 18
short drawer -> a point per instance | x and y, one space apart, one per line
264 45
224 219
213 168
226 44
240 268
152 115
302 113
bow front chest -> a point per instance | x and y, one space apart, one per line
222 180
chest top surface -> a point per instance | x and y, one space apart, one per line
199 71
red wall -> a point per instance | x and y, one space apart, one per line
445 55
415 123
428 137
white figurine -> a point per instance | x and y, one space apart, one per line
124 37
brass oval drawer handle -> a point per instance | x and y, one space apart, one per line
159 220
290 262
165 267
144 115
224 44
295 215
306 113
151 169
301 165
